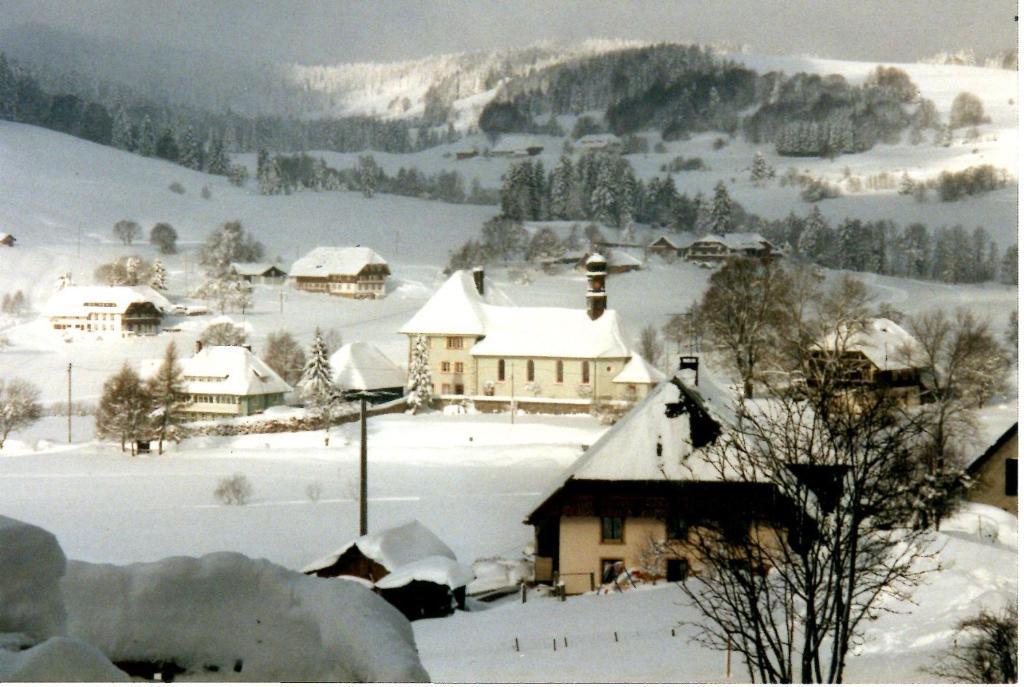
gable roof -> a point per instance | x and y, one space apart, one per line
639 371
736 240
457 308
324 261
361 366
976 464
598 139
886 344
663 241
72 300
254 269
231 370
391 548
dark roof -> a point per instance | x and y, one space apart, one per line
991 450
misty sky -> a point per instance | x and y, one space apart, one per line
322 31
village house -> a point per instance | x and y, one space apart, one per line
408 565
113 310
259 273
7 240
606 143
516 146
994 473
633 500
360 368
353 272
536 359
881 354
717 248
665 247
222 382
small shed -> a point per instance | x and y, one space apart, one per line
361 367
259 272
7 240
639 377
408 565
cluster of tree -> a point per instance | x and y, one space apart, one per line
16 303
131 270
948 254
227 244
970 182
287 173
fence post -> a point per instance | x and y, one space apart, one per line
517 645
592 587
554 644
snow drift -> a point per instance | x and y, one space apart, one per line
31 565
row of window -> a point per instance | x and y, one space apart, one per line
446 389
612 527
559 371
213 398
676 569
446 366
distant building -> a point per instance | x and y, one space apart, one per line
609 143
361 367
540 359
259 272
715 248
353 272
408 565
881 354
115 310
618 261
665 247
466 154
222 382
7 240
516 146
995 473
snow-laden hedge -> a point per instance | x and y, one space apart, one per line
259 424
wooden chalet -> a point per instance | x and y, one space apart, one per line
607 143
259 273
114 310
717 248
995 472
352 272
408 565
664 247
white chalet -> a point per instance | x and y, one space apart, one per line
225 381
120 310
354 272
541 359
713 248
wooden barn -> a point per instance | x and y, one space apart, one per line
665 247
259 273
408 565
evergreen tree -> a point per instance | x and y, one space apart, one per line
158 280
147 138
812 242
760 172
421 388
167 146
8 91
562 181
191 150
368 175
317 388
721 210
167 389
124 409
603 204
218 162
121 135
1008 268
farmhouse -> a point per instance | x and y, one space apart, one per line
354 272
665 247
541 359
609 143
225 381
114 310
516 146
7 240
715 248
995 473
408 565
881 354
634 498
361 367
259 273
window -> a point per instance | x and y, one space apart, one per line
501 370
446 389
446 366
458 368
453 342
676 528
585 371
677 569
1011 476
611 530
460 389
529 370
559 372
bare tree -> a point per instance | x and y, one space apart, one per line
743 308
651 347
686 329
234 491
127 231
19 406
984 651
223 334
284 356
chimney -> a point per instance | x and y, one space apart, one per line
597 298
199 345
478 279
691 362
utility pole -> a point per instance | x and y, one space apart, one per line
512 396
69 403
362 465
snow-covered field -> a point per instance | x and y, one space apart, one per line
471 479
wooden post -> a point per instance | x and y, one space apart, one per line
362 466
616 635
522 587
554 644
592 586
517 645
565 641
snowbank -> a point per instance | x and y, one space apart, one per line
31 565
227 615
984 522
58 660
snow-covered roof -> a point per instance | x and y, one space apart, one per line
4 235
437 569
736 240
79 301
230 370
361 366
886 344
457 308
663 241
639 371
324 261
253 269
598 140
511 143
620 258
391 548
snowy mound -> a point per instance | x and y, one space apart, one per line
228 616
31 565
58 660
